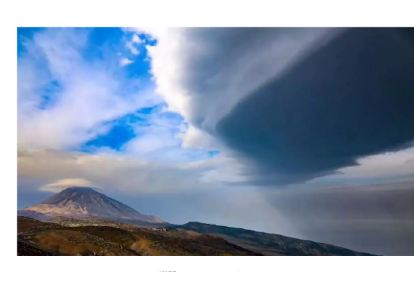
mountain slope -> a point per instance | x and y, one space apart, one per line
79 238
85 202
268 244
36 238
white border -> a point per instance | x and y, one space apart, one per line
183 272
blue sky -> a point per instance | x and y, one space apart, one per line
121 56
258 128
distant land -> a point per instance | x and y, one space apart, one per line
83 221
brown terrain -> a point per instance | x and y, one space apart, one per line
43 238
105 238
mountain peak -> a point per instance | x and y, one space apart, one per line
86 202
83 188
79 189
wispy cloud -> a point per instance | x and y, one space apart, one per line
133 44
61 184
114 172
125 61
90 91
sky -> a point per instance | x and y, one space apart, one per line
306 132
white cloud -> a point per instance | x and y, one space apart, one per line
90 95
125 61
89 92
136 39
113 172
132 49
132 45
61 184
196 138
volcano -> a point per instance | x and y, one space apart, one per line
84 203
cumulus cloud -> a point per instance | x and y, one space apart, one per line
294 103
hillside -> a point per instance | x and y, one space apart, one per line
107 238
268 244
40 238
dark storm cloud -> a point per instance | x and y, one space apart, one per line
218 66
350 98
